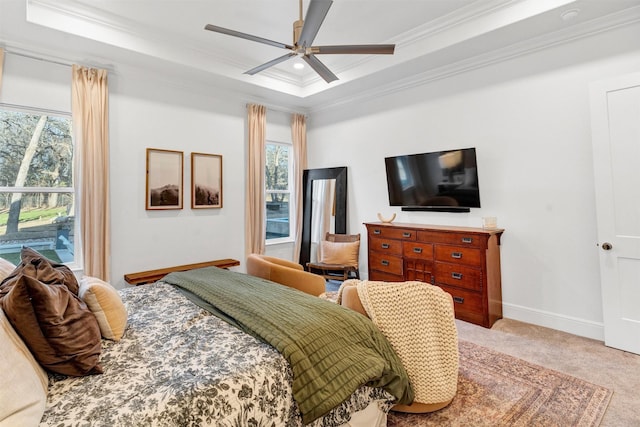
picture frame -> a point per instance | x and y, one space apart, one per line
165 179
206 181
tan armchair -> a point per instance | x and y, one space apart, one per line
286 273
418 320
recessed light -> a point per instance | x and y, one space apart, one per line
298 65
570 14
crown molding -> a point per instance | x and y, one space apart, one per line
530 46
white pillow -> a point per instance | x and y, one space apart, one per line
105 303
6 268
23 382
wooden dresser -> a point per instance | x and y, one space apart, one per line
463 261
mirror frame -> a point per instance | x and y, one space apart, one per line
308 176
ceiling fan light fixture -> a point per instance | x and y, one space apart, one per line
304 32
298 65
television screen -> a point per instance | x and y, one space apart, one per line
439 179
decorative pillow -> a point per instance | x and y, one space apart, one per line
56 325
6 268
47 271
23 382
105 303
345 253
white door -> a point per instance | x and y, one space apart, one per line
615 119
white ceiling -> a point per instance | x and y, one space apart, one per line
431 37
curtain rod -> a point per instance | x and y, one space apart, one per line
51 60
275 108
37 58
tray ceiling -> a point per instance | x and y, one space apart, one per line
430 35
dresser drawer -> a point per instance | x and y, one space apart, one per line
459 255
467 305
385 277
385 263
386 246
458 275
417 250
463 239
419 270
392 233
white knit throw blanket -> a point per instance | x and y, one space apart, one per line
418 319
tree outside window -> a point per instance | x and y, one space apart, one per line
36 184
278 191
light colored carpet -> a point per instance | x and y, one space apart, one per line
495 389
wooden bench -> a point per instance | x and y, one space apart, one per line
144 277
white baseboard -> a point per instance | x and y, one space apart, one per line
572 325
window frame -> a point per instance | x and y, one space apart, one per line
290 186
77 263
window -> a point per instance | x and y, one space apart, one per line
36 184
278 176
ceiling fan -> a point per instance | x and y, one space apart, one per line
304 32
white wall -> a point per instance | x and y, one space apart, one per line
146 112
529 120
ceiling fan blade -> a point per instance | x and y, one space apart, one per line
313 20
246 36
365 49
320 68
269 64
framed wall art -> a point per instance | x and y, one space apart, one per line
164 179
206 181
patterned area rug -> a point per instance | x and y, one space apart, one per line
496 389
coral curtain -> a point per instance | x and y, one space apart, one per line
255 233
1 62
90 112
299 138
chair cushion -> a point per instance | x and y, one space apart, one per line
344 253
105 303
23 382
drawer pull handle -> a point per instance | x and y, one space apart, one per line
457 276
384 262
385 246
376 231
458 300
417 250
467 240
406 234
456 255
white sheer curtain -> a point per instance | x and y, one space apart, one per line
90 116
255 215
299 138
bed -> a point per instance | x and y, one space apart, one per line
177 364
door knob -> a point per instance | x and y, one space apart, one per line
607 246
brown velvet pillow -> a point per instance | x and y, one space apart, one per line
56 325
40 299
47 271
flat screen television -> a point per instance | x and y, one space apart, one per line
438 181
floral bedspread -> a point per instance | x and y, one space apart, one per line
178 365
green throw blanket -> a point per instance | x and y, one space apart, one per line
332 350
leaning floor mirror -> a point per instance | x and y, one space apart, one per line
324 208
